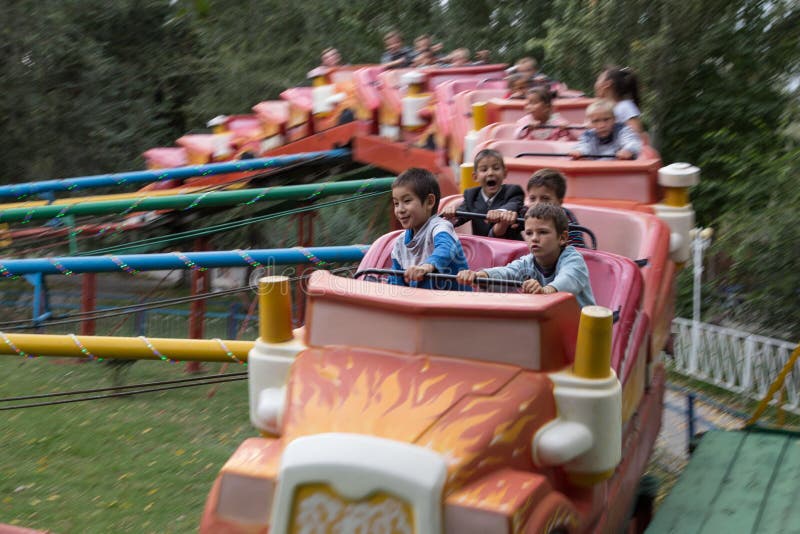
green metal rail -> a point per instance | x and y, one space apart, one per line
198 200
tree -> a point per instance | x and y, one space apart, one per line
87 85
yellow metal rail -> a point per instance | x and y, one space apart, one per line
275 316
131 348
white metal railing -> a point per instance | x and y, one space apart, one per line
734 360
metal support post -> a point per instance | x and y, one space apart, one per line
88 302
701 240
305 238
690 419
201 283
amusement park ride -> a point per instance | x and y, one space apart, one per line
395 409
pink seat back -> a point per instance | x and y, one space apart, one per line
502 130
494 82
445 107
391 88
439 75
464 229
367 82
510 148
506 109
617 284
483 95
165 157
342 75
272 111
481 252
462 112
244 125
463 85
298 96
573 110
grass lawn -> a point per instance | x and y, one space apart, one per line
133 464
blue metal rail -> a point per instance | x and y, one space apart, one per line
149 176
182 260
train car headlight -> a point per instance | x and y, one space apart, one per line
269 410
245 499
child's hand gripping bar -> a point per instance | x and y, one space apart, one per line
521 220
564 155
554 127
440 276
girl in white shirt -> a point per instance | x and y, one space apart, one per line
621 87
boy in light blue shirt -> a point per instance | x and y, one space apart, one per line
551 266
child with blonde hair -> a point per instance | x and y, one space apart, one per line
605 136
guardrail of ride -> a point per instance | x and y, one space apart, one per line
23 190
737 361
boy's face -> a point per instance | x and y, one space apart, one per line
409 209
423 59
602 122
538 109
331 58
543 241
526 68
519 86
459 59
541 194
490 173
393 43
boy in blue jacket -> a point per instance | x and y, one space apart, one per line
430 243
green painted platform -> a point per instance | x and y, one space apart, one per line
736 482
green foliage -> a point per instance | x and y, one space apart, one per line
111 76
762 249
